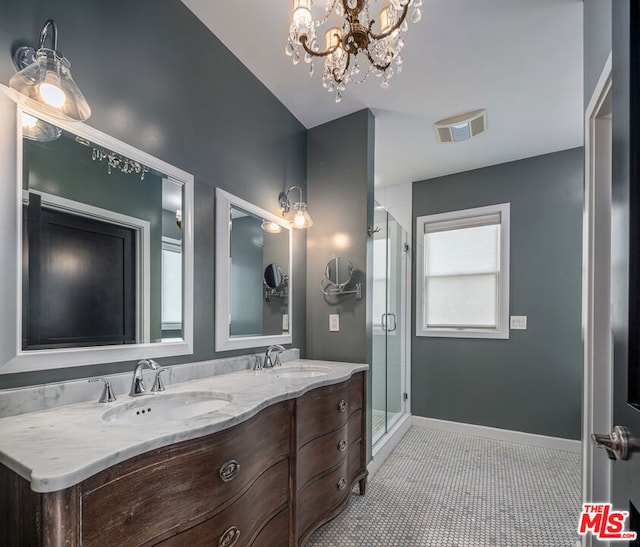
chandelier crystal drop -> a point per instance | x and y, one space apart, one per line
380 41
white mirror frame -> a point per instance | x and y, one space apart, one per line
12 358
224 202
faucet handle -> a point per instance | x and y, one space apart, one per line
107 393
158 385
257 365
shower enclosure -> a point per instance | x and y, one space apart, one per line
390 281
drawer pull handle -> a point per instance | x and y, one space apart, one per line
342 445
342 483
230 537
342 405
229 471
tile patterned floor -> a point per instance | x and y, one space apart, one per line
442 489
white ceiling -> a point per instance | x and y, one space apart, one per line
519 59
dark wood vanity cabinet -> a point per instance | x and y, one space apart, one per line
269 481
330 452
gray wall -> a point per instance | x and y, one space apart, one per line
157 79
340 157
533 381
340 198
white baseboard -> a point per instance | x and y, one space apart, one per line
543 441
382 452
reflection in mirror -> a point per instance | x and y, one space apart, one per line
257 271
107 258
102 252
275 282
273 276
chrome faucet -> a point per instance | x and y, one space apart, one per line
137 386
268 362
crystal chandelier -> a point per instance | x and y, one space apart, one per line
381 41
124 164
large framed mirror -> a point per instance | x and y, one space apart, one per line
103 242
253 275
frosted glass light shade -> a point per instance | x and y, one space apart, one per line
47 85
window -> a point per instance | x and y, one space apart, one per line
463 273
171 287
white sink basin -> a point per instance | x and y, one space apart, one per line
299 371
167 407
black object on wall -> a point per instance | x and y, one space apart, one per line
81 281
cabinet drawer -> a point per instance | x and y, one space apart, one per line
322 410
320 498
322 454
276 532
155 493
238 524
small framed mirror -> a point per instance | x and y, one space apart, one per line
339 272
338 277
253 268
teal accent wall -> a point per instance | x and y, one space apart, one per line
531 382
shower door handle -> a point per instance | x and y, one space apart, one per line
384 323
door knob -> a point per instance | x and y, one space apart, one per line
618 443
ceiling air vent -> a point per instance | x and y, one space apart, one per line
462 127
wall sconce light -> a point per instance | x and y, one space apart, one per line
44 80
179 218
297 212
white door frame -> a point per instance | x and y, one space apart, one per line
598 367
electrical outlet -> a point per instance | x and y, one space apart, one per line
285 322
518 322
334 322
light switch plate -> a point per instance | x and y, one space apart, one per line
334 322
285 322
518 322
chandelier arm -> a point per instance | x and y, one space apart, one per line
392 29
303 43
353 11
373 63
344 72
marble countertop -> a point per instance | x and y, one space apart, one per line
62 446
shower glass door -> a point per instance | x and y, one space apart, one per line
389 322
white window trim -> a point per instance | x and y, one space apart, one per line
502 332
